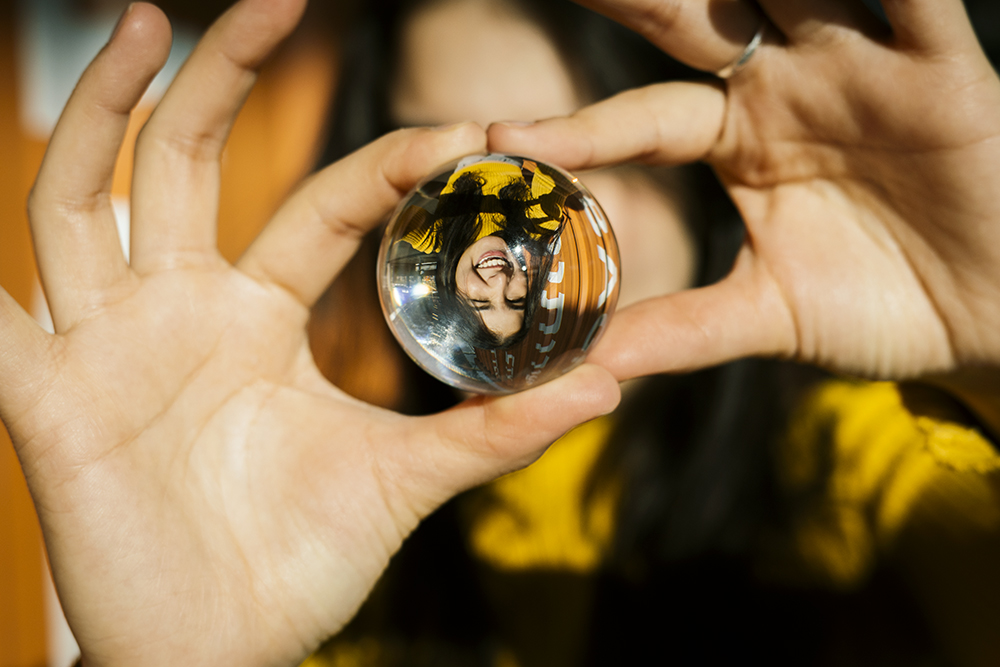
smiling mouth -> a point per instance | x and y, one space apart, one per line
494 260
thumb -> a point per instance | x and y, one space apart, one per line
486 437
741 316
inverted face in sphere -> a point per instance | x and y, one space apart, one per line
498 273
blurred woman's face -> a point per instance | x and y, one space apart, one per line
491 279
481 60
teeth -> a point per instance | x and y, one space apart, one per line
493 262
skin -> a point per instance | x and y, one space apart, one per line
496 292
207 498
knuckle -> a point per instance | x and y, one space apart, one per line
660 18
45 202
174 142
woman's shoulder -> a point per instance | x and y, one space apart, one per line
885 420
873 465
540 517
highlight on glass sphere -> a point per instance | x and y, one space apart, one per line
498 273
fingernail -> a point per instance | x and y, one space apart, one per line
121 20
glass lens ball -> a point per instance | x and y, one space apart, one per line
498 273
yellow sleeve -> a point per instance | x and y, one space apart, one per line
917 494
538 517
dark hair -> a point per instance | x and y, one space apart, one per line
461 225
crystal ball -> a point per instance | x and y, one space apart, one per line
498 273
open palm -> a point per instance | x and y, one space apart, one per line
206 496
863 157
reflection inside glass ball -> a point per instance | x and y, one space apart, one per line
498 273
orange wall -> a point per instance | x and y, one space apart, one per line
22 616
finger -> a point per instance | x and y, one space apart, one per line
317 231
486 437
930 25
72 222
821 21
669 123
22 348
176 184
744 315
705 34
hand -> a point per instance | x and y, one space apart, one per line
865 162
206 496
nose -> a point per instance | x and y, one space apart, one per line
517 285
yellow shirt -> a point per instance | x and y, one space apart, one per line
919 493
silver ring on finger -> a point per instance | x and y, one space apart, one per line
744 57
